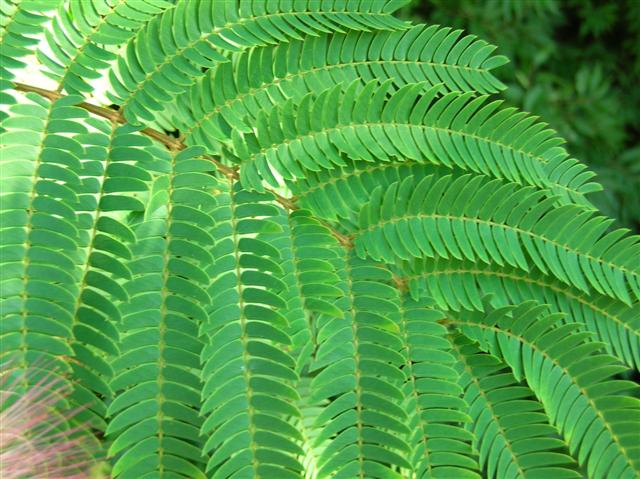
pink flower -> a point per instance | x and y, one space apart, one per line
36 440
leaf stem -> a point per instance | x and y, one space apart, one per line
173 144
114 115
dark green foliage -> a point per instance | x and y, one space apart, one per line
308 241
575 63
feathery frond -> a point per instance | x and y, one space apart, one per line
357 371
340 193
477 219
22 21
413 123
85 37
441 446
573 382
307 251
154 418
277 253
461 285
153 73
41 169
232 94
248 373
513 435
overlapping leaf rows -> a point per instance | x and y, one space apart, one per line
574 382
462 285
40 231
358 364
155 420
249 375
317 299
108 191
471 217
457 129
232 94
22 21
440 445
307 250
199 34
61 273
341 192
85 35
514 437
306 425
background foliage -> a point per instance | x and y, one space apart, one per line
301 238
576 63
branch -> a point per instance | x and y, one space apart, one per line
171 143
116 116
401 283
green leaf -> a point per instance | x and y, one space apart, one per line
461 285
455 131
157 383
511 429
293 69
440 445
145 80
574 383
516 227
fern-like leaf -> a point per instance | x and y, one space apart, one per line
457 129
154 72
112 154
575 385
22 21
473 218
40 236
512 433
248 373
338 194
356 369
85 36
270 256
441 447
307 250
461 285
155 415
232 94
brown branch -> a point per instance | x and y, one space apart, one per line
401 283
345 241
116 116
286 203
107 113
173 144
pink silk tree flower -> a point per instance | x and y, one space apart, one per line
36 440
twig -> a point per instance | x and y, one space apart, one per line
113 115
173 144
401 283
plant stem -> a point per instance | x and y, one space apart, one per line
116 116
171 143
